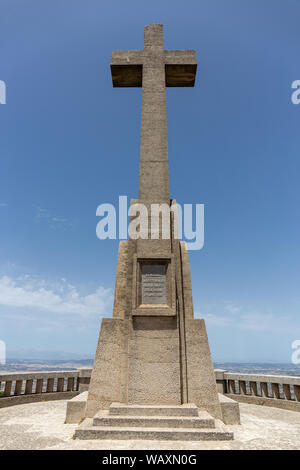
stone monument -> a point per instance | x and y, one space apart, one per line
153 367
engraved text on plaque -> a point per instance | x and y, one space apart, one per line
153 284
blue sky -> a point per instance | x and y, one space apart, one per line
70 142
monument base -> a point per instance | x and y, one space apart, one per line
76 409
150 422
135 357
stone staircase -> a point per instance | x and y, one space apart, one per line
149 422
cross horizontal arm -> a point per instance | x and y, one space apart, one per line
181 67
126 68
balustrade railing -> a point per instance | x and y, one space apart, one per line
27 383
32 383
278 387
245 387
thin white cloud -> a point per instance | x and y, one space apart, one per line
247 318
3 204
53 220
232 308
216 320
60 297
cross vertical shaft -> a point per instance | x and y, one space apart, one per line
154 171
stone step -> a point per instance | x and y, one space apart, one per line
86 430
121 409
204 420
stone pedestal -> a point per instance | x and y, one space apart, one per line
150 422
151 358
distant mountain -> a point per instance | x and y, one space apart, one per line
33 354
269 368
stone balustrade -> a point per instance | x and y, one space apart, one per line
24 387
272 390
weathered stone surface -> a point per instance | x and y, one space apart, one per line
87 431
122 299
35 398
157 422
202 420
276 379
221 383
76 408
120 409
202 388
84 379
230 410
271 402
21 376
154 175
105 385
147 371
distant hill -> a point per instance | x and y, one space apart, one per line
33 354
269 368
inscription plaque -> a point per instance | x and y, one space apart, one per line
153 284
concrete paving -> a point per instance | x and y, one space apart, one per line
41 426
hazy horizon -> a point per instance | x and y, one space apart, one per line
32 355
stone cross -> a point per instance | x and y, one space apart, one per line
152 351
154 68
